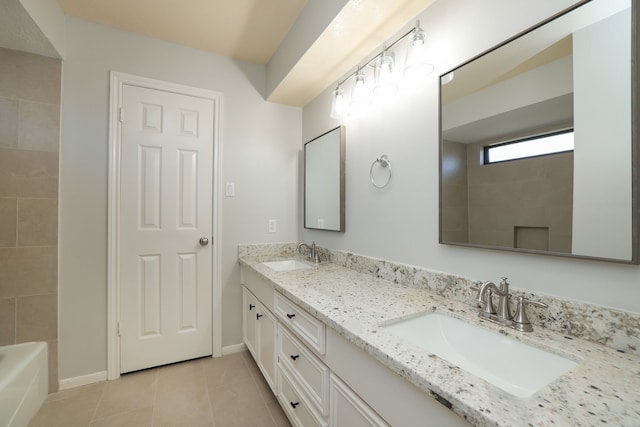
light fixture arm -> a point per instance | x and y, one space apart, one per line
386 48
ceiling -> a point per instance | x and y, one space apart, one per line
322 40
249 30
252 30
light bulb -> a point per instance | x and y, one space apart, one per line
385 78
339 108
360 99
416 63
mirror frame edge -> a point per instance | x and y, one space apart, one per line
342 180
635 149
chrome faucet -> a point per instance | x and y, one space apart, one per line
503 315
311 250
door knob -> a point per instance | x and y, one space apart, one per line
204 241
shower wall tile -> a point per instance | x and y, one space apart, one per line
8 122
8 222
36 318
28 271
25 173
37 222
39 127
7 321
29 144
30 77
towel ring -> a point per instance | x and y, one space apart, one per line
384 162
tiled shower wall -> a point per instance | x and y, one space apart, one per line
29 141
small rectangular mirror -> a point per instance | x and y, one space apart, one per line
324 181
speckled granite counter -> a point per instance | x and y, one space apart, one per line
604 389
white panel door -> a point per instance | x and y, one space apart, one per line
165 228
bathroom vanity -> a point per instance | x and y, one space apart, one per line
319 336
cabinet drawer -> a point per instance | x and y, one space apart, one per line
309 329
259 286
308 370
297 407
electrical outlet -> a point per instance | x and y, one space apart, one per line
272 226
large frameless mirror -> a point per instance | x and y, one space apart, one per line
539 139
324 181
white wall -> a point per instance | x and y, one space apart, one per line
49 17
401 222
601 204
260 149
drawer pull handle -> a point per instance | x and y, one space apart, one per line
251 307
258 316
294 404
291 316
294 356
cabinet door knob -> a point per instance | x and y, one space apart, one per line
251 306
294 356
258 316
291 316
294 404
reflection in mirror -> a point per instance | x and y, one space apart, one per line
570 76
324 181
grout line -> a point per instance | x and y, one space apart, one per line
206 391
155 397
95 410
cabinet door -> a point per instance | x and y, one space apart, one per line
266 343
347 409
249 311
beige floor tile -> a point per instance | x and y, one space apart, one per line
277 413
132 391
182 397
206 392
67 412
225 370
136 418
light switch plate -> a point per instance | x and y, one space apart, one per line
230 189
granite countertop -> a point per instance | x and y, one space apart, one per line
603 389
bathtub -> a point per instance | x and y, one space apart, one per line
23 382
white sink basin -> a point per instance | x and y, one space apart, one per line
287 265
515 367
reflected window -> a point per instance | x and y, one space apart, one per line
541 145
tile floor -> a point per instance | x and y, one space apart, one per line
227 391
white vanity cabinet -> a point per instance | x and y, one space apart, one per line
321 379
259 327
347 409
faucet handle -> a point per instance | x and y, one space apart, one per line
520 318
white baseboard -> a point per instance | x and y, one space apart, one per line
68 383
236 348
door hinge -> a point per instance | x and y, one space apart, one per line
118 328
121 115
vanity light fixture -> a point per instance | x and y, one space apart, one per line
417 60
360 96
339 107
386 78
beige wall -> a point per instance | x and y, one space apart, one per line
532 193
455 194
29 140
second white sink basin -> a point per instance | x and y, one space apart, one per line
515 367
287 265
